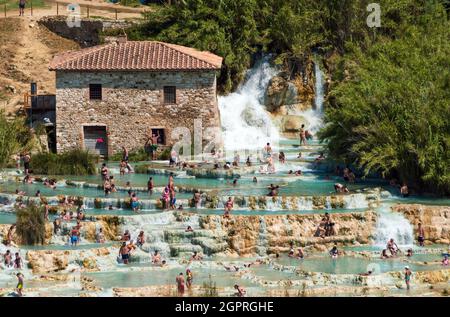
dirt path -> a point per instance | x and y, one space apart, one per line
26 49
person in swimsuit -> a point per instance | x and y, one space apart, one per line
165 197
339 188
334 252
240 290
124 252
303 135
384 254
26 158
122 167
19 287
408 274
445 261
392 247
300 254
126 236
140 239
189 278
228 207
154 145
74 236
282 158
100 236
236 159
180 284
156 257
404 190
18 261
291 253
134 202
421 235
104 172
409 253
195 256
9 235
124 154
150 186
8 258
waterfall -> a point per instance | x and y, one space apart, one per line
314 116
245 122
392 225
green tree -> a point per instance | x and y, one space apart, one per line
30 224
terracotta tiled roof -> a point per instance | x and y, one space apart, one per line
136 55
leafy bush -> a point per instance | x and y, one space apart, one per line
133 156
30 224
390 113
73 162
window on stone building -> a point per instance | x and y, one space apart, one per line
160 134
169 94
95 91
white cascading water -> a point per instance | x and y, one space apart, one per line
245 122
392 225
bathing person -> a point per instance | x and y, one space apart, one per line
126 236
320 158
18 261
421 234
228 207
404 190
26 163
107 187
165 197
240 291
8 258
197 199
140 239
392 247
74 236
339 188
195 256
445 261
334 252
104 172
321 229
180 283
9 235
282 158
408 274
384 254
409 253
19 287
56 225
236 159
291 253
156 257
302 135
20 193
300 254
124 252
255 180
150 186
38 193
122 167
124 154
100 236
273 190
189 278
134 202
267 151
345 174
248 162
189 229
329 226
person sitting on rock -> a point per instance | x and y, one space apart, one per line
195 256
240 291
392 247
124 253
321 229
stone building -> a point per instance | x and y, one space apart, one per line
116 94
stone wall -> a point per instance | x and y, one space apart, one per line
132 104
245 233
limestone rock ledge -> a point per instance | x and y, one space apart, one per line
435 220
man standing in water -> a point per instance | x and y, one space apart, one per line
408 274
19 286
180 284
303 135
421 234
